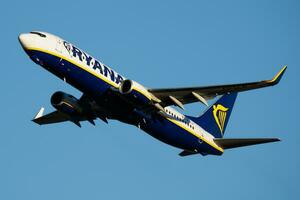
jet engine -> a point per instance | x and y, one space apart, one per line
66 103
135 92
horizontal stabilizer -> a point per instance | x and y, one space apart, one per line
187 153
229 143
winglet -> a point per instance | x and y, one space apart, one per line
278 76
40 113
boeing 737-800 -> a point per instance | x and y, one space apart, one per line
108 95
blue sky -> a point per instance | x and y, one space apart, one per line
159 44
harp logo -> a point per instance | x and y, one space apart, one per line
219 113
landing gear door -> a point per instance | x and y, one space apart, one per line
58 49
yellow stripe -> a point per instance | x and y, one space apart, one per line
116 86
212 144
223 117
86 69
278 75
221 120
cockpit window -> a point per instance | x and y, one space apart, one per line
38 33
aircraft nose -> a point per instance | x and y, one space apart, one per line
25 40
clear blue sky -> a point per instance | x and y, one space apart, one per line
159 44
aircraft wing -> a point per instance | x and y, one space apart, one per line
180 96
53 117
57 116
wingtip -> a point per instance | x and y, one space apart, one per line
279 75
274 140
277 140
39 114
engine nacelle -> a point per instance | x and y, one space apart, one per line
135 92
66 103
126 86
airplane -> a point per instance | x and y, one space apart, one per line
107 95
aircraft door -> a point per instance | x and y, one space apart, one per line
58 49
59 45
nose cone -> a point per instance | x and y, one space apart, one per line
25 40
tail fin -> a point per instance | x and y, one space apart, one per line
216 117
